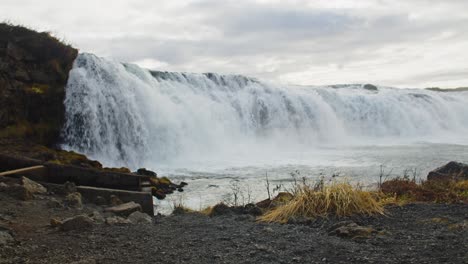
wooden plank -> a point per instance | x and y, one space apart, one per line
92 177
35 170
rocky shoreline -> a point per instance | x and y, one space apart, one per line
52 228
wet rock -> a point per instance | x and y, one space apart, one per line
117 220
451 171
32 186
160 187
159 194
140 218
74 200
5 238
349 229
124 209
370 87
145 172
79 222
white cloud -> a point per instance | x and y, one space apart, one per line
414 43
152 64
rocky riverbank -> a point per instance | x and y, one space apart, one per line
53 228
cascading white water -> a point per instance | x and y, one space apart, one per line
123 115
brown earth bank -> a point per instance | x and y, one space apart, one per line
413 233
34 70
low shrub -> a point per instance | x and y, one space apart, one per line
439 191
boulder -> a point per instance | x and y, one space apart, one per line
18 192
5 238
79 222
117 220
32 186
451 171
145 172
74 200
140 218
370 87
124 209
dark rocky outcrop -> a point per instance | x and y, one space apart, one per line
370 87
451 171
33 74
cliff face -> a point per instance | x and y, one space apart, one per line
33 74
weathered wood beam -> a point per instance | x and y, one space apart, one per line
38 171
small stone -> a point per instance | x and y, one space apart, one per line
139 217
124 209
114 200
352 230
5 238
79 222
99 200
54 222
73 200
69 187
54 203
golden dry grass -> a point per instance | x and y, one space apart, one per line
339 199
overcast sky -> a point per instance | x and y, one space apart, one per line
403 43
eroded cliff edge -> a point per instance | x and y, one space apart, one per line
34 69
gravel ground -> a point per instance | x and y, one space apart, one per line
416 233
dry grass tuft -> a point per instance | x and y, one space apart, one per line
339 199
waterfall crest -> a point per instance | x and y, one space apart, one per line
124 115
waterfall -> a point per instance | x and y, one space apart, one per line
124 115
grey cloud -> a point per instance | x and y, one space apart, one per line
242 36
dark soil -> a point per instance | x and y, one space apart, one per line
416 233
